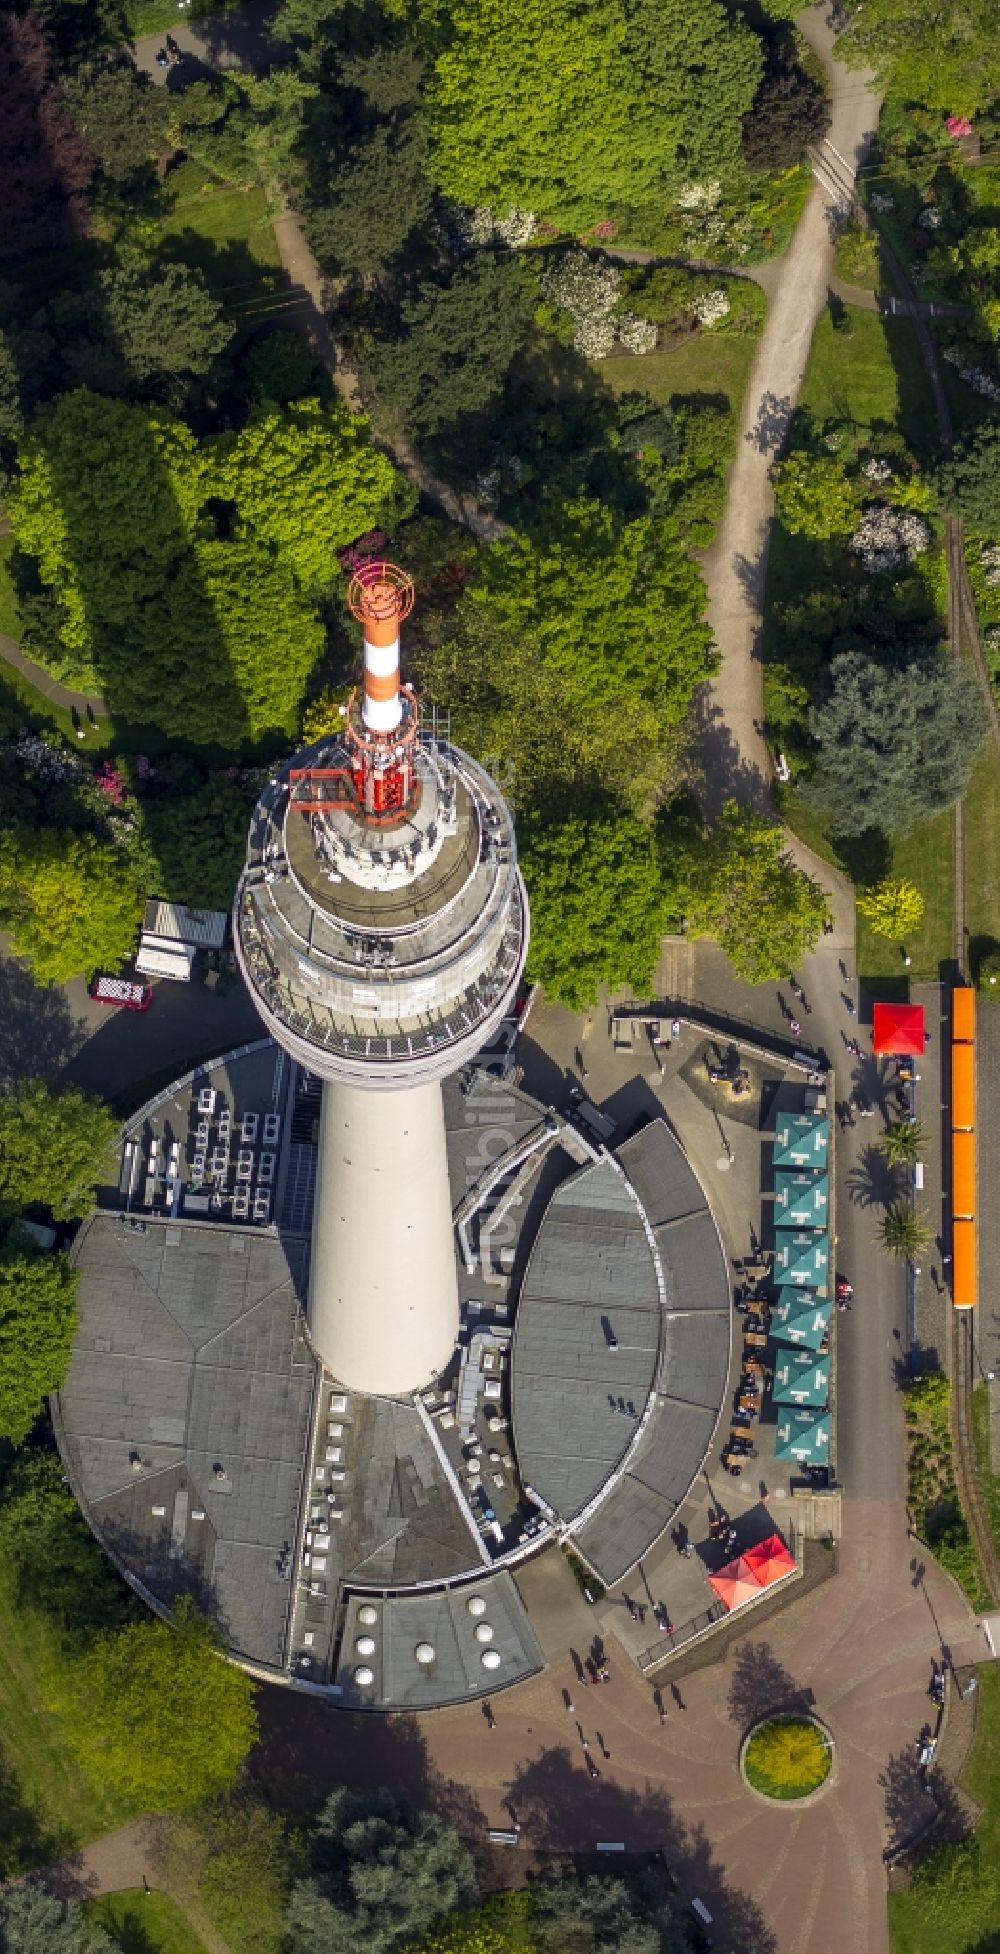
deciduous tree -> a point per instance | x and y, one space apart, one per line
153 1711
600 902
893 908
37 1327
375 203
970 478
35 1922
56 1562
380 1876
69 901
459 338
121 114
895 743
743 888
567 110
56 1147
814 496
162 317
942 57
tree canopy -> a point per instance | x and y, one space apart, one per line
70 902
743 888
459 338
117 503
37 1326
55 1148
569 110
153 1711
599 902
375 203
942 57
162 317
815 497
969 479
895 743
121 114
35 1922
57 1565
379 1876
894 907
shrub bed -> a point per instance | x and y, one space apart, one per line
787 1757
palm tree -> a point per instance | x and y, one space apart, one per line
905 1231
904 1142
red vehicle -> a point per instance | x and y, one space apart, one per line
122 993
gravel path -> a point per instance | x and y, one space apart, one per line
734 754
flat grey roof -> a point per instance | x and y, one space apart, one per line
190 1357
443 1621
616 1431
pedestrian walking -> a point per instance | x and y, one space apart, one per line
570 1705
678 1698
794 1026
849 1005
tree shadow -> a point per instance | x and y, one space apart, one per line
39 1036
761 1685
548 1796
726 773
26 1841
917 1800
770 430
874 1182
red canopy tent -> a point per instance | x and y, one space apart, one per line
735 1583
769 1561
898 1030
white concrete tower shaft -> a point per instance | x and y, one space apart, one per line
383 1289
382 926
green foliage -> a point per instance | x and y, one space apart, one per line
607 1916
154 1710
857 259
742 887
932 1492
379 1877
615 607
117 505
942 58
198 838
37 1327
70 903
790 111
58 1568
235 1850
56 1147
35 1922
905 1231
894 907
501 1925
907 735
163 318
568 110
459 339
305 482
376 202
280 367
599 903
787 1758
815 496
144 1920
122 115
969 480
903 1142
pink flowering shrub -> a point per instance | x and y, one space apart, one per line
958 125
370 545
111 783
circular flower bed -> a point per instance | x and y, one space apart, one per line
787 1757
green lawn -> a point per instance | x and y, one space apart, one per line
150 16
47 1806
925 1921
705 363
982 852
873 373
144 1923
926 857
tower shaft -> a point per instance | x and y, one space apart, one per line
383 1291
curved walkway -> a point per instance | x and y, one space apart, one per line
734 755
49 687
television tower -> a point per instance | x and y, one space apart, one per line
381 924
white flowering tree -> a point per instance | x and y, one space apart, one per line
589 290
887 538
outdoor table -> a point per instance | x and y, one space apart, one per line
742 1431
755 1340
